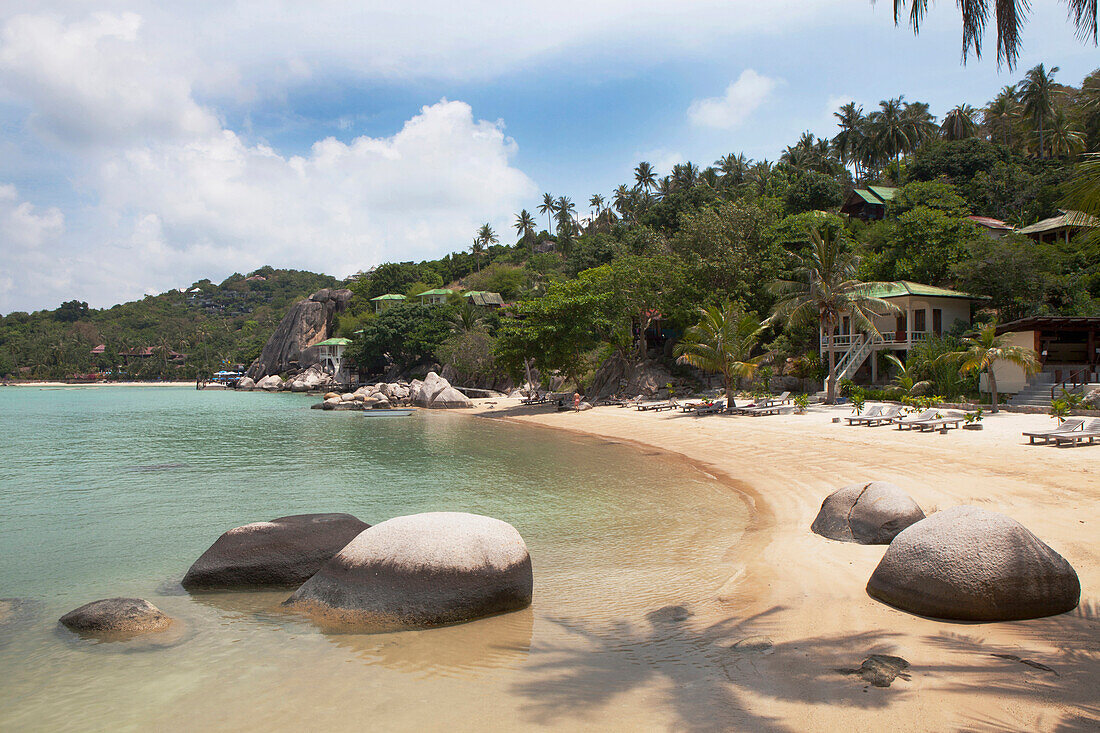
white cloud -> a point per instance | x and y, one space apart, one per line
741 99
179 196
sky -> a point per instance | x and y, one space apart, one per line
146 145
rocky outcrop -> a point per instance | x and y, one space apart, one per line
310 380
281 553
450 398
619 376
270 383
116 616
970 564
420 571
246 384
868 513
308 322
432 385
436 392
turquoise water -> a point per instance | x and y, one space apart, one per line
115 491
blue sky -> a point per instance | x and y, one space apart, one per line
143 147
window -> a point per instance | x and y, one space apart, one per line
920 321
937 321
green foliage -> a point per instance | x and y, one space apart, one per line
858 400
1059 409
813 191
801 402
407 333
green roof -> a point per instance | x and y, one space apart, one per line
389 296
886 193
436 291
1065 219
905 287
867 196
484 297
334 342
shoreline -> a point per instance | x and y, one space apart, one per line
806 594
76 385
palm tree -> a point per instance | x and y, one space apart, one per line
564 208
1083 195
984 349
596 202
890 129
547 207
1065 139
485 237
722 342
1010 16
1001 113
644 176
477 249
959 124
920 124
623 200
1037 95
525 225
849 142
685 175
825 292
466 317
761 174
734 168
904 381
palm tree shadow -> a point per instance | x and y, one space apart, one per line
703 673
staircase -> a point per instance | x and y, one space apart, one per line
853 358
1037 394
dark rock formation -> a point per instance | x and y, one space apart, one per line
122 616
420 571
281 553
628 378
308 322
971 564
868 513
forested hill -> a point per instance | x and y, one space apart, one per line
189 331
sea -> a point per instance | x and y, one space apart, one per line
114 491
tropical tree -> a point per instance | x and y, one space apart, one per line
984 349
1037 95
722 342
920 124
734 168
564 209
525 225
1065 139
825 291
485 237
959 123
624 201
547 207
850 142
477 249
904 381
644 176
1001 114
1010 16
889 129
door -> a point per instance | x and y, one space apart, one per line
899 329
920 321
937 321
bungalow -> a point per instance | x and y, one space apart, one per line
331 355
924 311
991 227
868 203
1062 227
484 298
382 302
437 296
1068 348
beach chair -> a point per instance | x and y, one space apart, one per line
758 410
869 413
711 409
782 399
657 406
909 423
950 420
1067 426
886 417
1089 432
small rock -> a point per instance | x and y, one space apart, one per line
246 384
880 669
116 616
331 395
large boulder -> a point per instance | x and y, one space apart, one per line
307 323
419 571
433 384
971 564
310 380
270 383
868 513
246 383
620 376
281 553
122 616
450 397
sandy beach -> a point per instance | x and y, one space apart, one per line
806 594
76 385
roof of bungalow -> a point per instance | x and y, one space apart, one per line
905 287
99 349
1063 220
389 296
1055 323
334 342
435 291
875 194
990 223
483 297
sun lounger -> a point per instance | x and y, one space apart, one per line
869 413
951 420
887 416
711 409
906 424
1067 426
657 406
1089 432
757 410
782 399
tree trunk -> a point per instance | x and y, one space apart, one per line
992 388
830 383
729 393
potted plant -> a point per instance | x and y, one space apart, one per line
800 403
973 420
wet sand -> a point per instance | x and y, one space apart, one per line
796 601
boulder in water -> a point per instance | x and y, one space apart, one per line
432 386
127 616
246 384
449 397
420 571
284 552
270 383
970 564
868 513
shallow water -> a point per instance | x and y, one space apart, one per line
114 491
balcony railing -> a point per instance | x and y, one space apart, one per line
844 341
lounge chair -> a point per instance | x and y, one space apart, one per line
869 413
534 399
782 399
905 424
711 409
757 410
887 416
1067 426
950 420
657 406
1090 432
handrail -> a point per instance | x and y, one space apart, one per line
1076 381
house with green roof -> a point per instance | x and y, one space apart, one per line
484 298
868 203
436 296
331 355
924 311
382 302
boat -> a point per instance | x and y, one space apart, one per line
389 412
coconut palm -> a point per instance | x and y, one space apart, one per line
734 168
1065 139
477 249
904 381
1001 114
564 209
596 202
849 142
624 201
920 124
890 129
525 225
685 175
984 348
1037 94
1010 16
959 123
547 207
722 342
825 291
644 176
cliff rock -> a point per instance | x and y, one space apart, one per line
307 323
